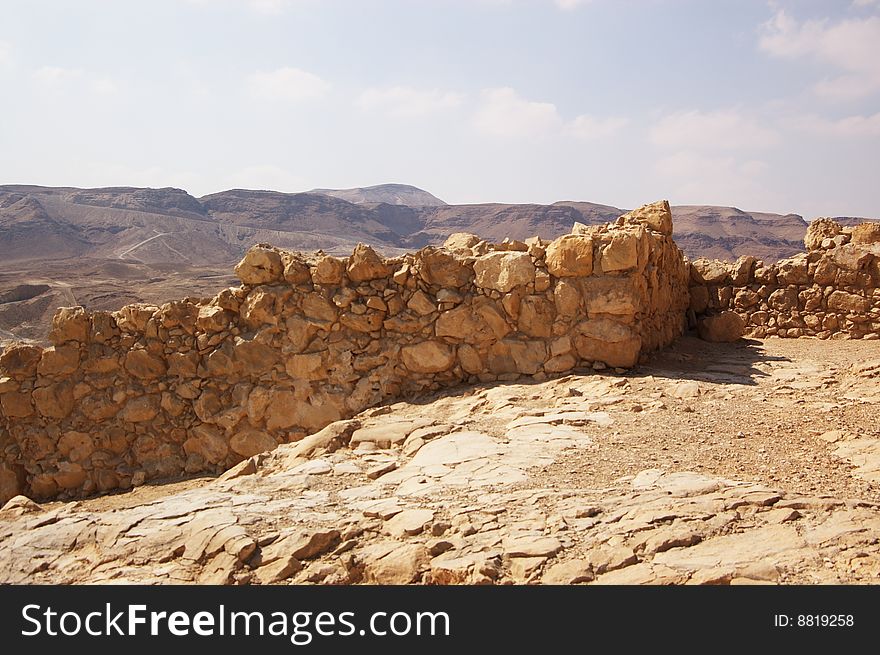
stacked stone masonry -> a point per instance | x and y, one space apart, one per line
198 385
831 291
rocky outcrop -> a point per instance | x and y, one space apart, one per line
832 291
199 385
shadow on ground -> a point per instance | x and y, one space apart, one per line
691 358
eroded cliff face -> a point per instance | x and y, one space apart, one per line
831 291
198 385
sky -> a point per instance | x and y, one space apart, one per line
766 106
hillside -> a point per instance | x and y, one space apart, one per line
390 194
728 232
170 226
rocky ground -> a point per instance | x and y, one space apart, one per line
754 462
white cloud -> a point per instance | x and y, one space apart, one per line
851 45
850 126
568 5
264 177
269 7
726 129
287 84
51 75
406 102
60 79
5 54
564 5
504 113
701 179
588 127
865 3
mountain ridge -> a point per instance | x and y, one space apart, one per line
168 225
106 247
390 194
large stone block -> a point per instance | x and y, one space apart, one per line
608 341
251 442
502 271
427 357
70 324
252 357
463 323
10 484
443 269
260 307
742 271
260 265
16 404
709 271
296 271
699 299
59 360
461 241
364 265
852 257
825 273
570 255
725 327
656 216
794 270
54 400
568 299
866 233
841 301
19 361
212 318
306 367
140 409
208 442
621 253
819 230
536 315
134 318
610 295
513 356
328 270
144 365
369 322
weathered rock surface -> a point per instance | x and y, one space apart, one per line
588 479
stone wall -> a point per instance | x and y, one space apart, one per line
831 291
197 385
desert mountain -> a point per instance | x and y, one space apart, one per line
106 247
390 194
728 232
170 226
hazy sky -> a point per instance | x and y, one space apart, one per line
763 105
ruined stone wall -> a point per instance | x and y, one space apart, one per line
197 385
832 291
